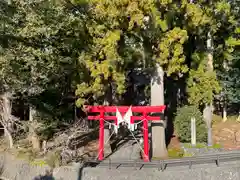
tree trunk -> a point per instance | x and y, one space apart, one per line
6 118
208 111
159 149
33 137
207 115
44 146
9 136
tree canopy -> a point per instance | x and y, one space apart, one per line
97 42
51 50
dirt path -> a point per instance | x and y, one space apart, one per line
227 134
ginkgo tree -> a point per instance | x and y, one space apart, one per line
127 34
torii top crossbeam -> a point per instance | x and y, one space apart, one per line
122 109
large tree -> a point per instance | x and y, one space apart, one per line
218 41
42 41
129 34
228 74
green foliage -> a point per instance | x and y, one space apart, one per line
171 51
38 162
95 43
182 124
187 154
175 153
229 80
202 85
229 73
221 23
37 55
47 129
202 145
217 146
198 145
129 34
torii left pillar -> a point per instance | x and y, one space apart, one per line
101 117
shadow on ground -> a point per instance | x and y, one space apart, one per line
48 176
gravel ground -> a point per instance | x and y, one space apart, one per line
204 173
226 171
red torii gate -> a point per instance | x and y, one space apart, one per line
144 110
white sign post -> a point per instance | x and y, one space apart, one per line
193 131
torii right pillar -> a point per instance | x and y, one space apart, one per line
158 144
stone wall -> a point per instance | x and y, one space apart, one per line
214 173
15 169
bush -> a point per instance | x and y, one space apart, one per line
182 124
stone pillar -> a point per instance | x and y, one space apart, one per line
158 145
208 110
107 146
207 115
107 132
193 131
